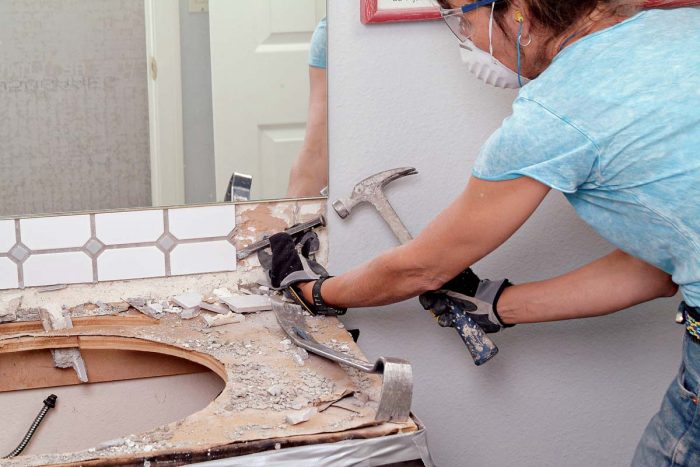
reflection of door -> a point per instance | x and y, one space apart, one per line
260 88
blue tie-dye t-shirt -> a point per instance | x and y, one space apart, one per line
318 50
614 123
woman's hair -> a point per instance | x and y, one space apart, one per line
553 17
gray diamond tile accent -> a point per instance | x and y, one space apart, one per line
94 246
19 253
167 242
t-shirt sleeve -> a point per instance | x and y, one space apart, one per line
318 52
535 142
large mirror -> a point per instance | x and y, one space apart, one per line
116 104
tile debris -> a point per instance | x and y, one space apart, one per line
301 416
8 308
248 303
222 320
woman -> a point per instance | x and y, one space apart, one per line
612 120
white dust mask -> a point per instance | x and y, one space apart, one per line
486 67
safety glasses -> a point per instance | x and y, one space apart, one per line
457 22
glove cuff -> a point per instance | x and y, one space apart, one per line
322 307
490 291
318 307
506 283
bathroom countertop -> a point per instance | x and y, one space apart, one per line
268 382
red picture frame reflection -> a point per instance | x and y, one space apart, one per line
371 12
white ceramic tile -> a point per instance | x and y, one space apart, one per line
7 236
8 274
47 233
197 258
204 222
57 268
130 263
118 228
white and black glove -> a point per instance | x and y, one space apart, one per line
455 297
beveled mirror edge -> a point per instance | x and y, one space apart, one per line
161 208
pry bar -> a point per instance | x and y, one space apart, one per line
320 221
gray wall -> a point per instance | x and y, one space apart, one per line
197 114
575 393
74 113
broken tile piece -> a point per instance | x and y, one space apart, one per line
71 358
301 416
188 300
215 308
155 308
189 313
52 318
221 293
9 306
221 320
300 356
172 309
248 303
284 345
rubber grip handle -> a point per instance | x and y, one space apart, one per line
480 346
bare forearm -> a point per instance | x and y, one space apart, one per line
449 244
609 284
309 174
389 278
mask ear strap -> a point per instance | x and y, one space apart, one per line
493 6
517 46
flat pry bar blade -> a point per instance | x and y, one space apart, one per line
397 374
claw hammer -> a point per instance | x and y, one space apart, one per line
371 190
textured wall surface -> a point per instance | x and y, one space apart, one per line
575 393
74 114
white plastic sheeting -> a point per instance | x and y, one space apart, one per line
356 452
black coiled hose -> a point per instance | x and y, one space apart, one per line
49 403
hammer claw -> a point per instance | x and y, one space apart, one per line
371 190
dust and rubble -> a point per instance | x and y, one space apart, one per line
274 388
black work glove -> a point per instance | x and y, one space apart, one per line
291 265
455 296
285 266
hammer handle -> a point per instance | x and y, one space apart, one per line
480 346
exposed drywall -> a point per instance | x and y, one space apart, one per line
74 114
575 393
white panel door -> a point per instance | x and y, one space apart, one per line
260 88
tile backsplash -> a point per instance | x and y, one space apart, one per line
112 246
152 243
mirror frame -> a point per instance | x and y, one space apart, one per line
371 13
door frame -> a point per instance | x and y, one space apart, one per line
162 19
